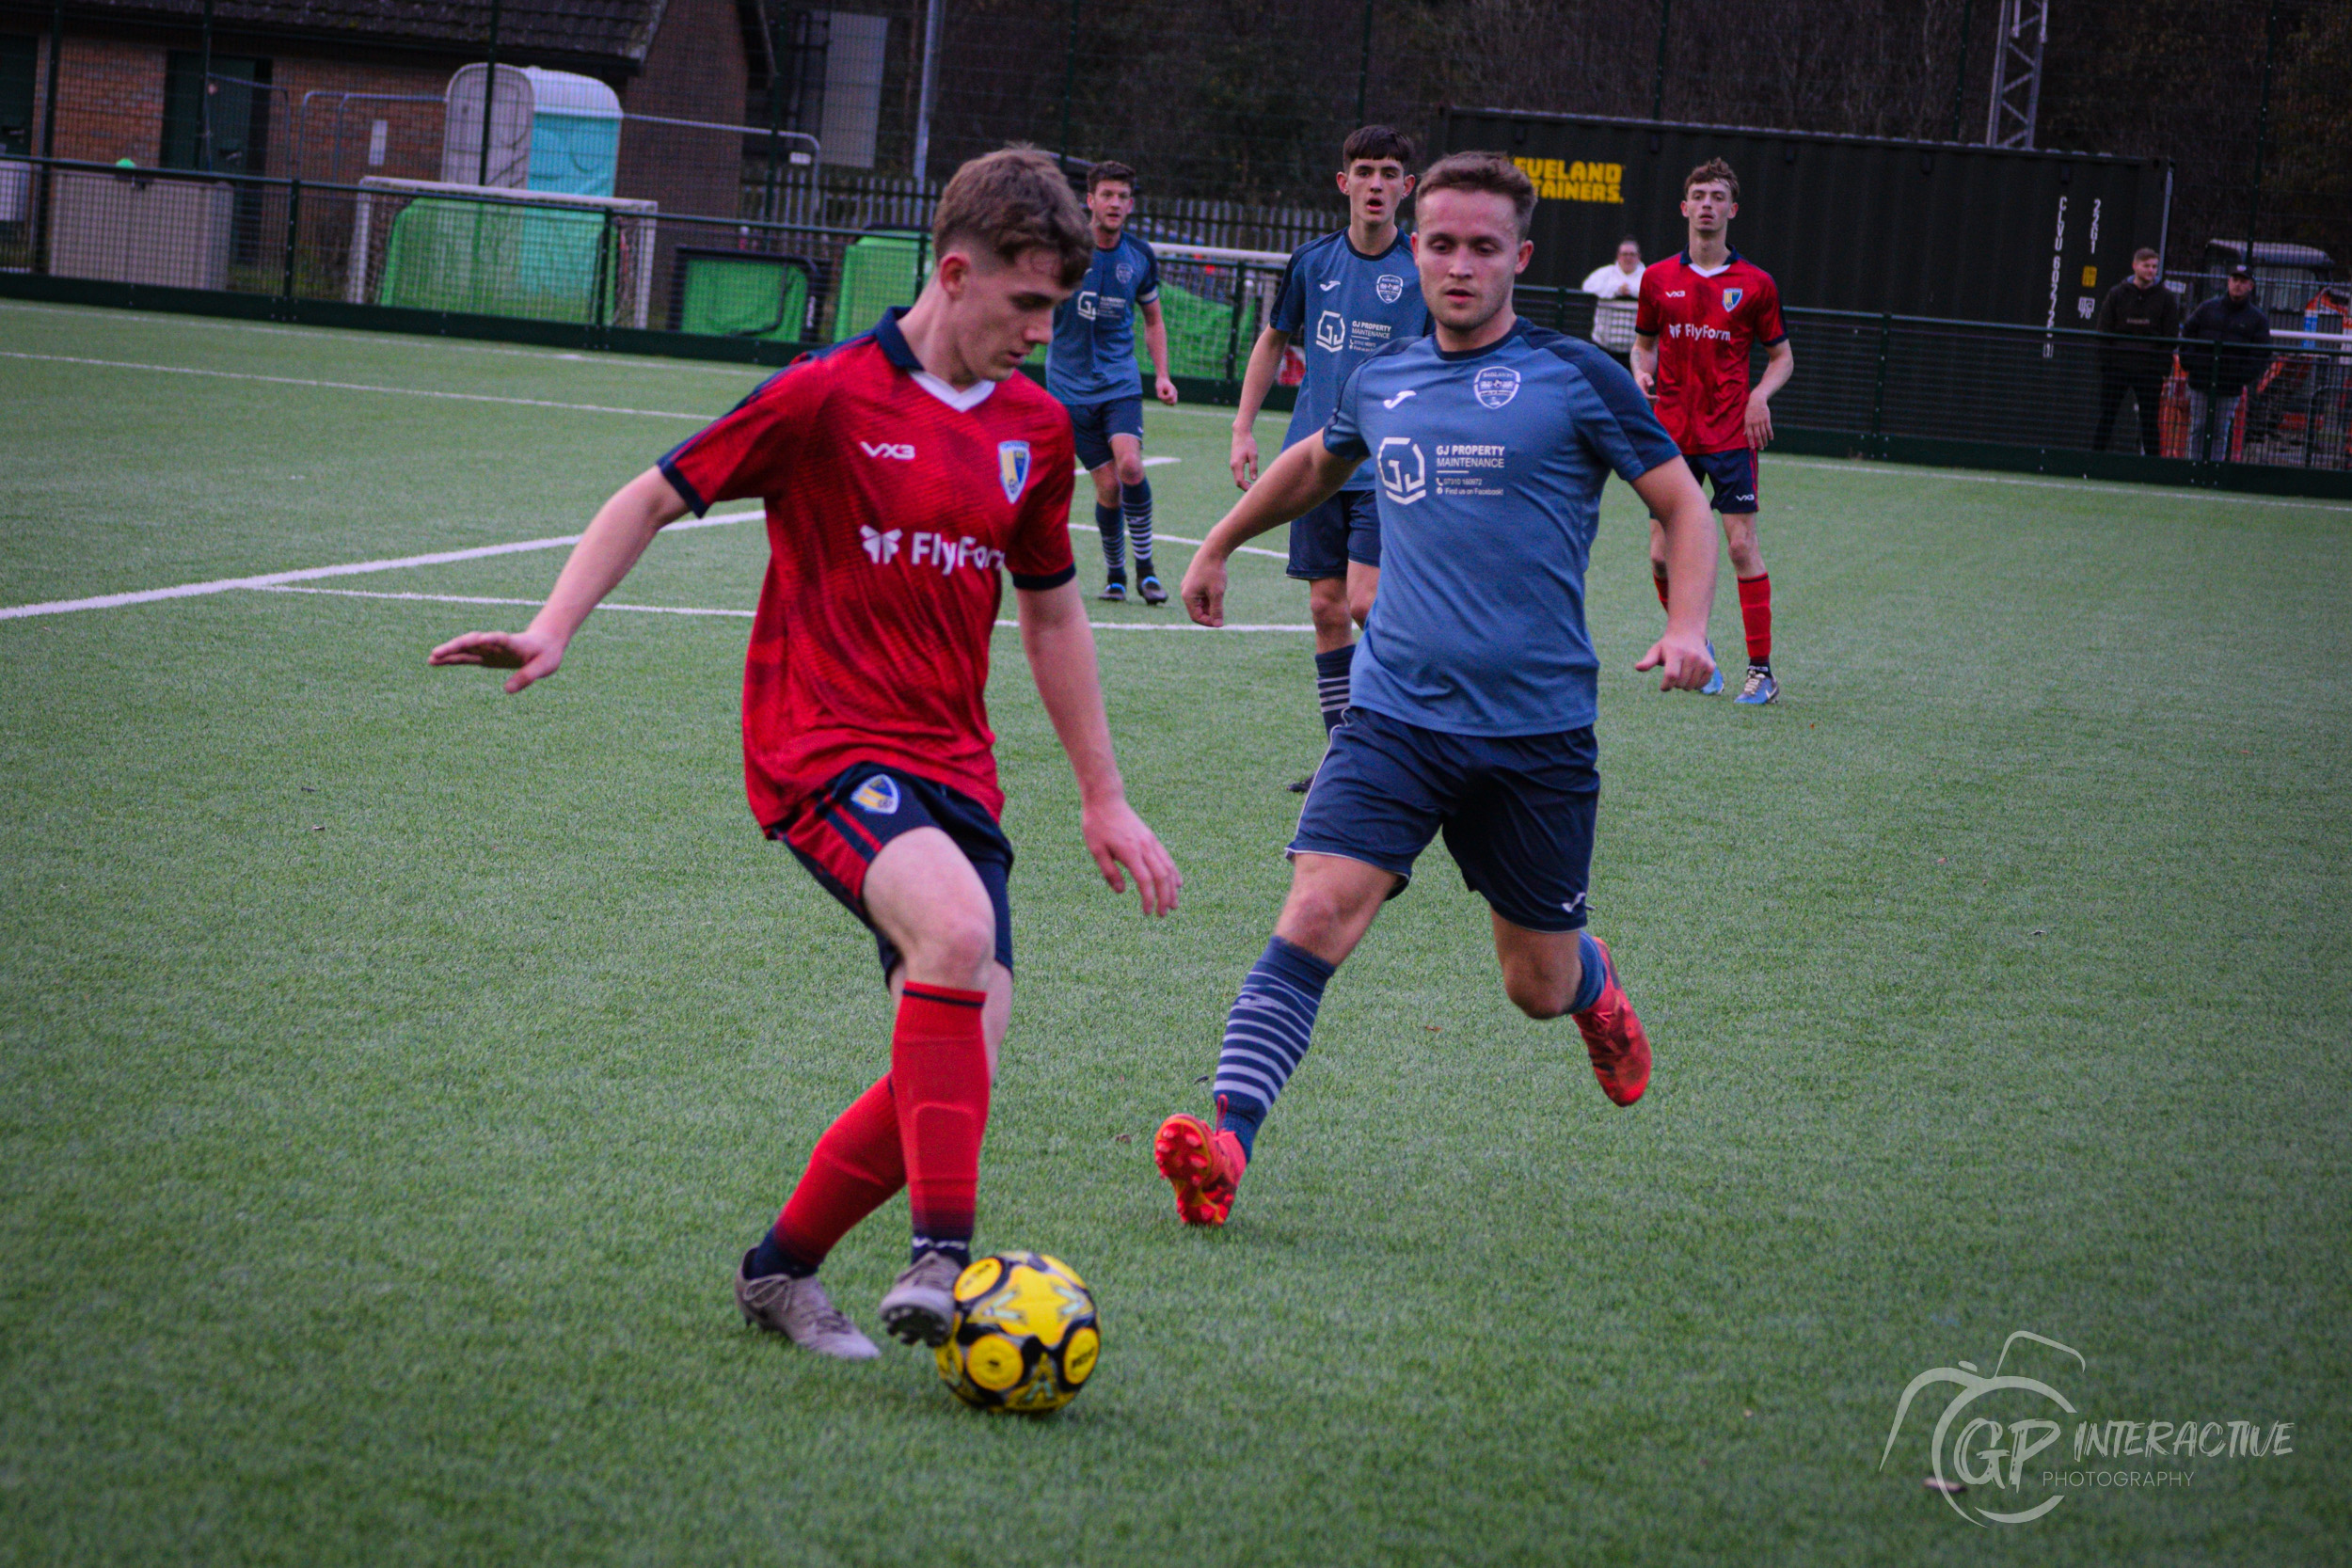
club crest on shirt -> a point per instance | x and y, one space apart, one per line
1390 287
1732 299
1495 386
1125 271
879 794
1012 466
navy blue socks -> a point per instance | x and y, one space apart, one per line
1266 1033
1114 541
768 1258
1135 505
1596 976
1332 684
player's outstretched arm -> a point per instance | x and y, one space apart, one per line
622 529
1780 363
1265 364
1303 477
1060 645
1674 499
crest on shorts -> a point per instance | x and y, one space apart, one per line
1012 466
879 794
1495 386
1390 287
1732 299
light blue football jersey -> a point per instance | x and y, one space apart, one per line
1489 466
1092 357
1341 307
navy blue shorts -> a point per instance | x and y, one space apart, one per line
1734 474
1516 811
1343 529
839 833
1096 423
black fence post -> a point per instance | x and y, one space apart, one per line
1878 394
1363 69
1068 79
489 97
1658 88
2213 408
1233 330
294 228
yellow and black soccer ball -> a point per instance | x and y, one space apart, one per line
1025 1336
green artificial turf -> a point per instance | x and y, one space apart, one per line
391 1071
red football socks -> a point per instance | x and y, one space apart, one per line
939 1071
1658 580
854 1170
1756 614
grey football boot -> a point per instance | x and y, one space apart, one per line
800 1311
919 1307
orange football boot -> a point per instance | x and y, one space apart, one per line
1202 1163
1613 1038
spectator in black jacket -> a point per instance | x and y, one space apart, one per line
2219 377
2141 308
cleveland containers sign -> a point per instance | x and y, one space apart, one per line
1844 223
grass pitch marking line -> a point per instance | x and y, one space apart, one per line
2150 492
1180 539
357 386
274 580
736 614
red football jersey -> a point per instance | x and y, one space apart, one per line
1704 326
894 502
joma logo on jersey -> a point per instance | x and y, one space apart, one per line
1404 471
1331 331
902 451
1390 287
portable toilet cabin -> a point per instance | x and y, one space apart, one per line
551 130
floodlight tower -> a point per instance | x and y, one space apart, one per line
2017 73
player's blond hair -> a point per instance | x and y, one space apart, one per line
1489 173
1014 201
1710 172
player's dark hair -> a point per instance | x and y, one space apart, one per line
1110 171
1378 143
1709 171
1634 240
1488 172
2145 253
1010 201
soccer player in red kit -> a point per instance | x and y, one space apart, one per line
1699 313
903 471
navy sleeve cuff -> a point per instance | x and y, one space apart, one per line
1038 584
1344 446
1772 342
686 491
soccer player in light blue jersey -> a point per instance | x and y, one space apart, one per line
1343 298
1475 684
1090 367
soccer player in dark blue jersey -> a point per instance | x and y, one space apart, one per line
1343 298
1091 366
1475 684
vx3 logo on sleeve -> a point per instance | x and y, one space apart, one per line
902 451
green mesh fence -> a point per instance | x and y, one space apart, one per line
878 270
448 254
725 295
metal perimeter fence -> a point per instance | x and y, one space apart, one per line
423 256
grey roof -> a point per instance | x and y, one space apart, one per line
612 29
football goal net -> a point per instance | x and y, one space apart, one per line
432 246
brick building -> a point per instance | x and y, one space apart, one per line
335 89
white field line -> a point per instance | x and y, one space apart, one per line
355 387
1180 539
308 574
737 614
2146 492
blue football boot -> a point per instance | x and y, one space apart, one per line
1714 682
1759 689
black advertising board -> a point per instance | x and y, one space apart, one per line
1843 223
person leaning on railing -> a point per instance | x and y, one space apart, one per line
2138 308
2219 377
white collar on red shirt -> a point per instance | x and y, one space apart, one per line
898 352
